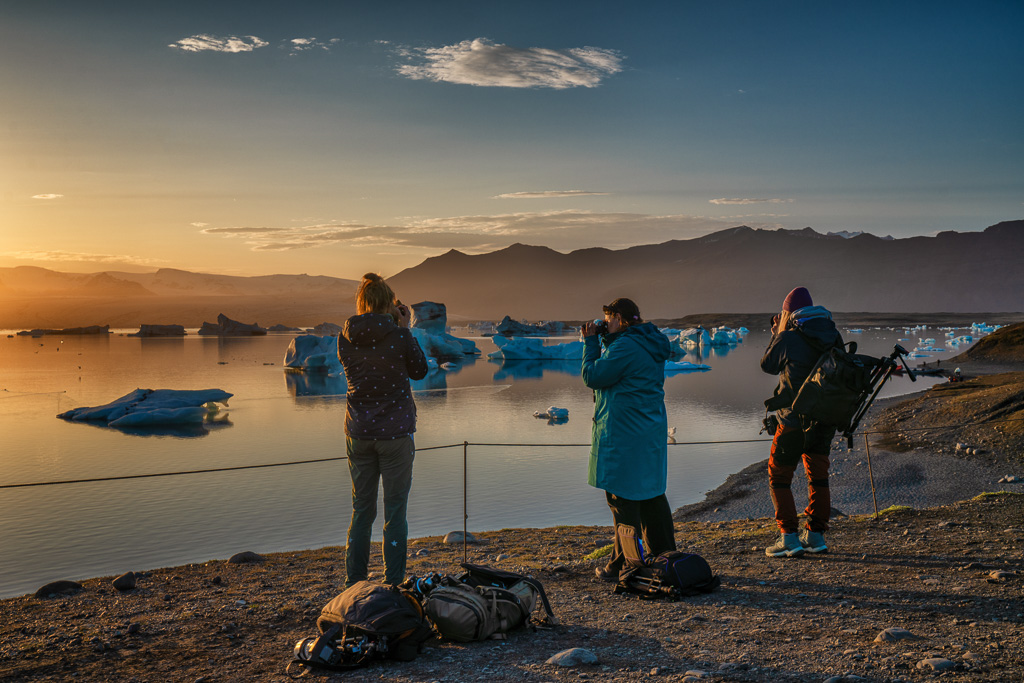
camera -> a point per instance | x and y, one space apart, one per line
601 327
770 424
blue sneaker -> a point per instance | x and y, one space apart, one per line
813 541
788 545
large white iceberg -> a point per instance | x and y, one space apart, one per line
146 407
521 349
693 337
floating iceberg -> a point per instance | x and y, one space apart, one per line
553 413
684 366
724 336
227 327
982 328
313 353
146 407
511 328
159 331
693 337
856 330
523 349
430 325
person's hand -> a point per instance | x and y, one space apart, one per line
775 323
404 315
588 329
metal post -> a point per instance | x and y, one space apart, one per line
871 474
465 496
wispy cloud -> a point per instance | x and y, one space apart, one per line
204 42
481 62
198 225
565 230
297 45
47 196
749 201
82 257
548 194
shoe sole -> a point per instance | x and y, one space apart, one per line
820 549
786 553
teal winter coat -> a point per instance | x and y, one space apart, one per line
629 446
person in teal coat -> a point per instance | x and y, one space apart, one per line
625 367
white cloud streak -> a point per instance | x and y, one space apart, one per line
483 63
47 196
564 230
550 194
82 257
204 42
749 201
297 45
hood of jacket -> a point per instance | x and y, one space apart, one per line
368 329
651 340
816 323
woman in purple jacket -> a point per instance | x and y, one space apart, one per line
380 356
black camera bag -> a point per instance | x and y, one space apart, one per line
673 574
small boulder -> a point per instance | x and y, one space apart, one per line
246 557
125 582
59 588
936 664
573 657
891 635
458 537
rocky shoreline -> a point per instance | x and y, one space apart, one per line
930 587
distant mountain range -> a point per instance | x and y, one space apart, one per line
739 270
36 297
736 270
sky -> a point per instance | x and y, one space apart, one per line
334 138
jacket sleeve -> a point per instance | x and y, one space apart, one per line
774 360
415 361
601 372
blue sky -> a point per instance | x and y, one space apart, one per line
339 137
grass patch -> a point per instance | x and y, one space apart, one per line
601 552
989 494
896 508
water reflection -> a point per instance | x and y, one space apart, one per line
315 384
183 431
535 368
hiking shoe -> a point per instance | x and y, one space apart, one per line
813 541
606 574
788 545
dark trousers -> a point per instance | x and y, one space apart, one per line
369 464
810 442
651 519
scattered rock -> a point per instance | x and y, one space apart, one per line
1009 479
125 582
573 657
246 557
59 588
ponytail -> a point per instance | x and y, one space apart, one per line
374 295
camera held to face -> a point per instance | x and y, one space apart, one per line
600 327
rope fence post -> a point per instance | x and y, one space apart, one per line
871 474
465 504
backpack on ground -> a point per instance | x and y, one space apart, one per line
483 603
366 622
673 574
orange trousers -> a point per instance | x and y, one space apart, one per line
812 443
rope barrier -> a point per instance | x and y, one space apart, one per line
465 445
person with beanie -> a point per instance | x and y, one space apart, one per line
801 332
625 366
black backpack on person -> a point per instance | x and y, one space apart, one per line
836 387
367 621
673 574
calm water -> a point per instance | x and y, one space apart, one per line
105 528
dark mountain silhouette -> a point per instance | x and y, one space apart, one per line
734 270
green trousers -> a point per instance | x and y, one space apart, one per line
369 464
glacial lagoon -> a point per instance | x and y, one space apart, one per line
80 530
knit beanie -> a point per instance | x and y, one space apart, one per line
797 299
